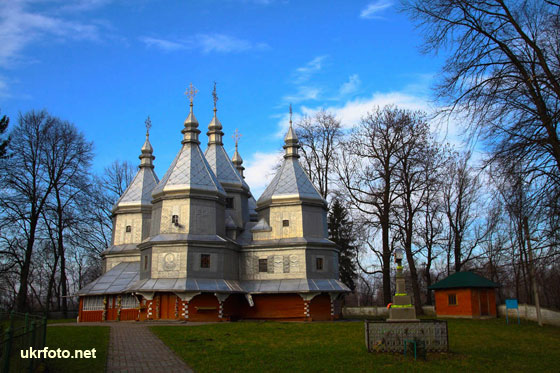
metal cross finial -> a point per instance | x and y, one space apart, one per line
290 115
214 95
191 92
148 125
236 136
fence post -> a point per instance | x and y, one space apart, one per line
44 332
7 348
26 329
32 344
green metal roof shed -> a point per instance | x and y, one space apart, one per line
463 280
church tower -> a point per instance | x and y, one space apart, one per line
188 213
237 191
132 212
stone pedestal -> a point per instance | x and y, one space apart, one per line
401 308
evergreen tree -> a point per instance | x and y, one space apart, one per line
340 232
4 121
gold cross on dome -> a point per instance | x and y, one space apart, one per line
214 95
148 123
236 136
290 114
191 92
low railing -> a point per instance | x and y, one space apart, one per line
382 336
20 331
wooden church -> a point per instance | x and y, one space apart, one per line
196 246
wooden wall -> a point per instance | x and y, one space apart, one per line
205 307
320 308
473 302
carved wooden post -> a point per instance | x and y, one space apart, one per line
104 314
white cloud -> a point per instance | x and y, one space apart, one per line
84 5
351 85
207 43
372 10
351 112
225 43
259 170
303 93
165 45
302 74
21 27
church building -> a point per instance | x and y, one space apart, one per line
196 246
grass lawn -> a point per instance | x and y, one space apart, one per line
475 345
61 321
81 338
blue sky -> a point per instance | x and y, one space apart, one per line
106 65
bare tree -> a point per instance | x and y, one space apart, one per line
461 198
67 160
503 72
116 178
26 187
430 220
412 189
319 138
367 170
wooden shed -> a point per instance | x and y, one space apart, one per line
465 294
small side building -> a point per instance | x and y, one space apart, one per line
465 295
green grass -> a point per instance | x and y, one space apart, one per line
60 321
475 345
81 338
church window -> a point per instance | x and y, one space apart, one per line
229 203
319 263
128 228
129 301
285 223
204 260
263 265
452 299
93 303
175 219
145 262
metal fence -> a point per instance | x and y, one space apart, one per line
384 336
20 332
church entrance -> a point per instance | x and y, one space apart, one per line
168 303
320 307
204 307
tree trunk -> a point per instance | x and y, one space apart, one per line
386 261
61 254
21 298
412 267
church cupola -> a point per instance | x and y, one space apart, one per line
291 142
290 196
139 190
191 131
146 157
215 127
226 173
237 160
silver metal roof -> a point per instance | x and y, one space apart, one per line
117 280
189 170
139 192
291 180
222 166
120 248
187 284
293 285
